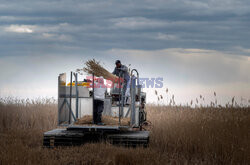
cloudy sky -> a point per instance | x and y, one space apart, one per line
198 47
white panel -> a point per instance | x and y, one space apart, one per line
137 117
63 114
107 107
86 106
137 104
82 91
115 111
73 108
125 110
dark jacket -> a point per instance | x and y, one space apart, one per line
124 72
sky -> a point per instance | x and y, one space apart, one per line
197 47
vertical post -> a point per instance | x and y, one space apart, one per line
119 85
123 96
133 97
93 99
70 97
139 89
58 99
139 97
76 85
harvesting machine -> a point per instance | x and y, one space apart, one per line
76 101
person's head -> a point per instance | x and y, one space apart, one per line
118 63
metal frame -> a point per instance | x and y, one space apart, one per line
119 86
77 93
132 108
76 135
69 104
133 95
138 83
70 97
70 110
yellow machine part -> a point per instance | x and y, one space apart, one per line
85 84
62 83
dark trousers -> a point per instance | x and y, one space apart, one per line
98 109
124 89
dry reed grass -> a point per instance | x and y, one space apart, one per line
180 135
94 67
107 120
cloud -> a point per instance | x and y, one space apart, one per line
191 72
146 25
198 66
137 23
20 28
56 37
162 36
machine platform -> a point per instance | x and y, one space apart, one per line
78 135
76 104
98 128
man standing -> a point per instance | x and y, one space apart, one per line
122 71
99 96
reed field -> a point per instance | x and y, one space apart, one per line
179 135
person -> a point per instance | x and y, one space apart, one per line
99 96
122 71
